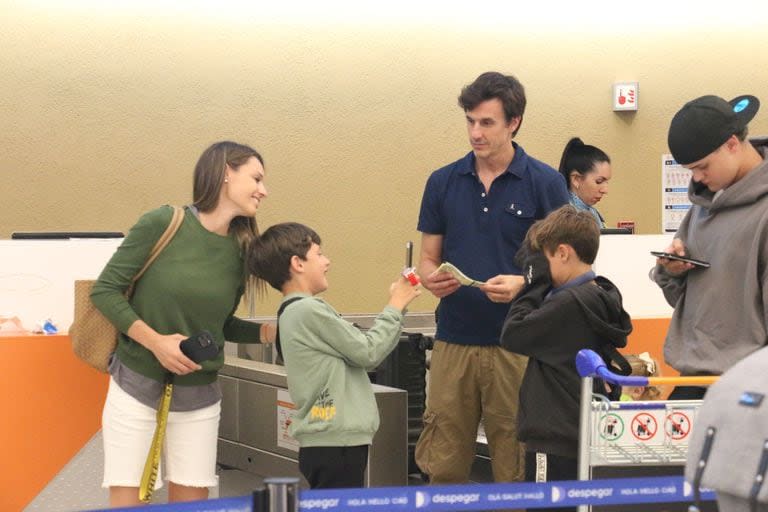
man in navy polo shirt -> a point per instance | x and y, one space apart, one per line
474 214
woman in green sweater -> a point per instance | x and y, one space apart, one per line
195 284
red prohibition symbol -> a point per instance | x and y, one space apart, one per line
677 425
644 426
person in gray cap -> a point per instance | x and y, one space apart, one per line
721 312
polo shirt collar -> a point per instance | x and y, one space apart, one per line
517 166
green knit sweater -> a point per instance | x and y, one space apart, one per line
195 283
326 359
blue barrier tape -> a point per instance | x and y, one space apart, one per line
501 496
470 496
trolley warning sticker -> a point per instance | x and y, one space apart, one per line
641 426
644 426
611 427
677 425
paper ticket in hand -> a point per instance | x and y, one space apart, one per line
458 274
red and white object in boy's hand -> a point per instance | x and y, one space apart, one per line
410 274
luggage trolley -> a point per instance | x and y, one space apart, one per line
650 435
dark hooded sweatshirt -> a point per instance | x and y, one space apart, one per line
551 330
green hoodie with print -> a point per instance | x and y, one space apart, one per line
326 359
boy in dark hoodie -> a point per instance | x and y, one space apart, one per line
563 308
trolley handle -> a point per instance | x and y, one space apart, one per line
590 364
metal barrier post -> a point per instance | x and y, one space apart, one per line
283 494
260 500
585 409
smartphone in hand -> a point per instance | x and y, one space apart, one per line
200 347
670 256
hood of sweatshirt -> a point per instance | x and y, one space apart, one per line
747 190
602 306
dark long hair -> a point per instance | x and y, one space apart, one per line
581 158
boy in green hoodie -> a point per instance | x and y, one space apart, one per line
325 356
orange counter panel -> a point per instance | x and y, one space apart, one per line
51 403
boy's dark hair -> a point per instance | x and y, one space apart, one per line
581 158
567 225
492 85
269 256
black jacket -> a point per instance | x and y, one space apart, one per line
551 332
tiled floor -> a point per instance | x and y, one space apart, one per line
78 486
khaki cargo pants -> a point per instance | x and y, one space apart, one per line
465 383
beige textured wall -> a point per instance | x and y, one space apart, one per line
105 108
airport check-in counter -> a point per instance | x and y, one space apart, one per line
254 419
256 409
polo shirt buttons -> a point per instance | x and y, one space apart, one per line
482 194
485 209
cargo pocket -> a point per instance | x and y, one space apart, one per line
423 450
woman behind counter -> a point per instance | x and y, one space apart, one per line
195 284
586 170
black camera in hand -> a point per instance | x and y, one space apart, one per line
200 347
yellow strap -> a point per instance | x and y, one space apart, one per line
152 465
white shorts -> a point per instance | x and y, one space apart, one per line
189 449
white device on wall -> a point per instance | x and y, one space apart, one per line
625 96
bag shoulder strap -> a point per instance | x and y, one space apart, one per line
162 242
277 323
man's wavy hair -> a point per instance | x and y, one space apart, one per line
492 85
